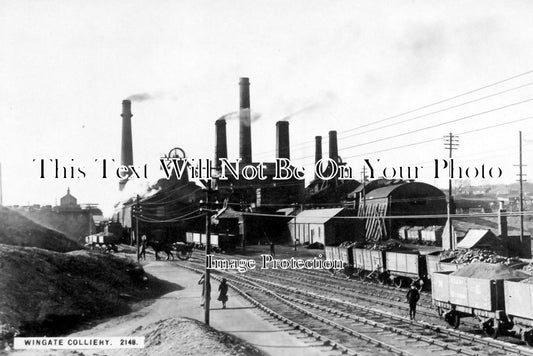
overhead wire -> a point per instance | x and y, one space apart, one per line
428 106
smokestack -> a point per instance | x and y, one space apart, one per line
333 151
221 147
245 133
318 150
126 158
282 140
502 223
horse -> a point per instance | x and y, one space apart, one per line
158 246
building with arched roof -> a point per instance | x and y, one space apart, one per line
402 204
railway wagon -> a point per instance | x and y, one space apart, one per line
102 242
328 250
435 264
457 297
519 309
369 264
345 255
219 242
405 267
432 264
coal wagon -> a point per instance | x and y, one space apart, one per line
406 267
496 299
519 309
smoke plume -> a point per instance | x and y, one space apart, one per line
234 115
140 97
326 100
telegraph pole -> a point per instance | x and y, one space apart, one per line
207 279
451 142
363 195
137 211
209 184
521 181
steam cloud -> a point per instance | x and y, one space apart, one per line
326 101
140 97
234 115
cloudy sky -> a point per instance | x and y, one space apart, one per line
371 70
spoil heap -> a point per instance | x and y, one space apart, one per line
489 271
46 292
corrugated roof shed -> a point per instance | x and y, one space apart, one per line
315 216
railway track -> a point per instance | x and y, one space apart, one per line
372 294
355 328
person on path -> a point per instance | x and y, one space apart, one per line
272 250
413 295
223 295
202 282
143 248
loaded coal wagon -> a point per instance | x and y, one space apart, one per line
477 291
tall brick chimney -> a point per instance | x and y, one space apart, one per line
126 157
245 133
282 140
221 147
333 150
318 151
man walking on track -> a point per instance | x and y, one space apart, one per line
412 298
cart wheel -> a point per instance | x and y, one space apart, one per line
398 282
184 255
527 337
362 275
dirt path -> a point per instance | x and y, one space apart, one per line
160 323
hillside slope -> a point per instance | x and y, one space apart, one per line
48 293
16 229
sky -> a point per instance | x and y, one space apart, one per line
391 77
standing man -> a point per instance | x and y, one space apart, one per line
143 247
413 295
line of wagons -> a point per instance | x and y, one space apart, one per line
219 242
500 306
102 242
401 268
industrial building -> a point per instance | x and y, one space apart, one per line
325 226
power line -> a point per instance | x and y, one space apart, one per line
435 139
434 112
439 124
427 106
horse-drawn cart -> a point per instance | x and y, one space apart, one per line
183 250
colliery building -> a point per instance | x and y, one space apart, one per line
266 195
251 208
